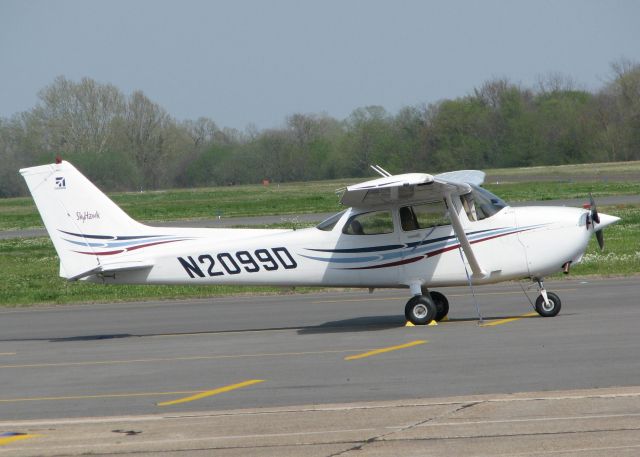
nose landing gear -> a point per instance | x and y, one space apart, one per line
547 304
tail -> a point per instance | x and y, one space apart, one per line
83 223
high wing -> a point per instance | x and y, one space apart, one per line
475 177
411 188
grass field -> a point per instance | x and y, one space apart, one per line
320 197
622 246
29 267
254 200
21 213
36 281
616 171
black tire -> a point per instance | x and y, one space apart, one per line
554 305
442 305
420 310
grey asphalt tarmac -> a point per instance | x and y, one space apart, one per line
97 360
143 365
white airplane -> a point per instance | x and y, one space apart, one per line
414 231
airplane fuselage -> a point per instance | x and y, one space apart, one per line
514 243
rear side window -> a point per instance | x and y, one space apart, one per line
373 223
424 216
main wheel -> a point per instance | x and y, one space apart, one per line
442 305
550 310
420 310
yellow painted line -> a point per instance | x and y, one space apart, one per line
506 321
7 353
210 393
11 439
172 359
383 350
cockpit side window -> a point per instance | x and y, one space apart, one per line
373 223
426 215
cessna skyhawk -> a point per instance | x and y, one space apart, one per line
415 231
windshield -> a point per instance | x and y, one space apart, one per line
328 224
486 204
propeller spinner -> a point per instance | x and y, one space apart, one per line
599 221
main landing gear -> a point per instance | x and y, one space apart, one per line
427 307
547 304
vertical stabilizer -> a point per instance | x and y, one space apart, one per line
83 223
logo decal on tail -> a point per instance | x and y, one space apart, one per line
87 215
60 183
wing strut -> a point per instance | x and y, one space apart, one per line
478 272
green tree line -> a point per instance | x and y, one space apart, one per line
129 142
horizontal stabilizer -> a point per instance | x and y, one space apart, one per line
114 267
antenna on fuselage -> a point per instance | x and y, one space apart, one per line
470 282
381 171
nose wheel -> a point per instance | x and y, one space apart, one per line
549 308
547 304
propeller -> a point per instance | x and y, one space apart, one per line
594 211
600 238
595 219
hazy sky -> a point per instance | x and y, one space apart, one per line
248 61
